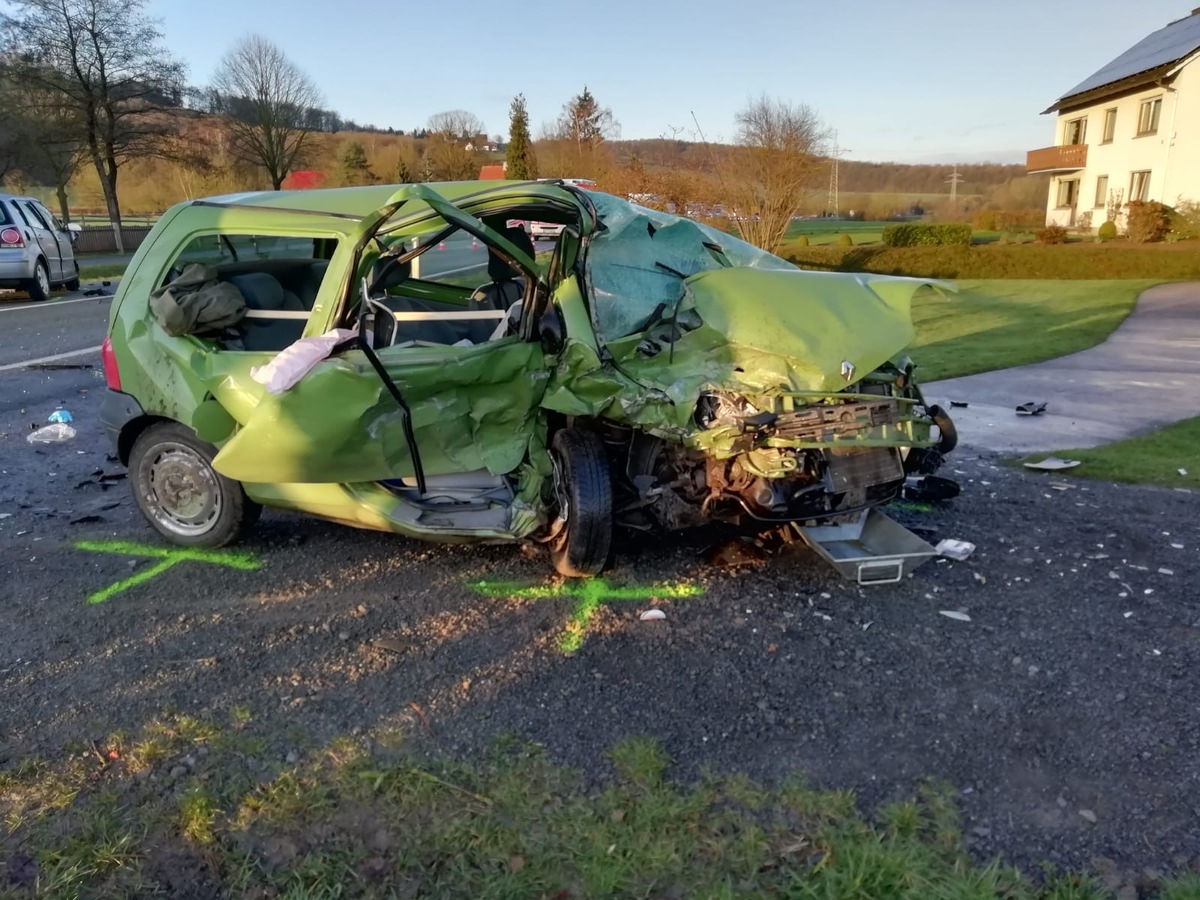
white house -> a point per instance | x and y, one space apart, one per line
1131 131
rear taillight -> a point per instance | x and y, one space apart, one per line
10 237
111 374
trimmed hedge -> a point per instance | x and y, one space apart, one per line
1074 262
917 235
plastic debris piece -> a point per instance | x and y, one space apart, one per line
1032 408
955 549
52 434
959 404
1165 571
1129 615
1052 464
61 417
1183 471
1088 816
652 615
1177 546
954 614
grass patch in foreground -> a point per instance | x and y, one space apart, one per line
1153 458
200 813
996 324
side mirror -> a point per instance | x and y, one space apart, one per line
552 330
73 230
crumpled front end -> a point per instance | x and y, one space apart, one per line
760 396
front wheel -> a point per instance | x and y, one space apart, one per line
583 487
181 495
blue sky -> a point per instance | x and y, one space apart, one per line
922 81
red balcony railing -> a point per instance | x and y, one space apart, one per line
1057 159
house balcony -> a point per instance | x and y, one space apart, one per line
1067 158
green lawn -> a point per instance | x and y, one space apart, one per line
119 816
1154 458
1002 323
91 273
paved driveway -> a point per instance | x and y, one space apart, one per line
1146 375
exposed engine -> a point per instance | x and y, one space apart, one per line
753 479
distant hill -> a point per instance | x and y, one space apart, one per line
854 176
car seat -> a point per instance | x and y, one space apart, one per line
264 292
507 288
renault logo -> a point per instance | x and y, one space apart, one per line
847 370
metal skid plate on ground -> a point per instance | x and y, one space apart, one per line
871 549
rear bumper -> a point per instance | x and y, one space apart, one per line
14 271
117 410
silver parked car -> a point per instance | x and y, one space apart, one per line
37 252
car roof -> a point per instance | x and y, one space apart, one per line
362 201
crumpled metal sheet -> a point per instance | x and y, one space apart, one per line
472 407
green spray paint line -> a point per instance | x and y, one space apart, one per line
169 557
591 594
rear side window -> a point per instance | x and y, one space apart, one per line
5 216
219 250
36 219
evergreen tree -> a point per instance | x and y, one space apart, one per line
585 121
403 175
353 166
520 159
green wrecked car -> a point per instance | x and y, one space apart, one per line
402 358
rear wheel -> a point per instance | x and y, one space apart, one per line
38 287
181 495
583 487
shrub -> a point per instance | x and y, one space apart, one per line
915 235
1079 261
1052 234
1147 221
1185 221
1107 232
844 240
801 241
985 220
1018 220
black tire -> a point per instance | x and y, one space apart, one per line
584 489
73 284
38 287
949 433
180 494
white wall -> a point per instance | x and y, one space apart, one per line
1172 155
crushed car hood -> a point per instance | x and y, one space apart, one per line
807 331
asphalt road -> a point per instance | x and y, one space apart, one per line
1063 711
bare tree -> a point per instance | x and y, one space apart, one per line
50 137
768 174
456 125
585 122
272 105
104 65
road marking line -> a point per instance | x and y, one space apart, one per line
51 304
48 359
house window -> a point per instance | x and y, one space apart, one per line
1110 125
1148 116
1101 191
1068 193
1139 185
1075 131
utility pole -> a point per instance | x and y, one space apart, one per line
832 204
954 181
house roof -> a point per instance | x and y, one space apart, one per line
1150 58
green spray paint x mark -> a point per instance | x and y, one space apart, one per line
590 594
169 557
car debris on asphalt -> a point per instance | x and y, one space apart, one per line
955 549
1031 408
1052 464
954 614
52 434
